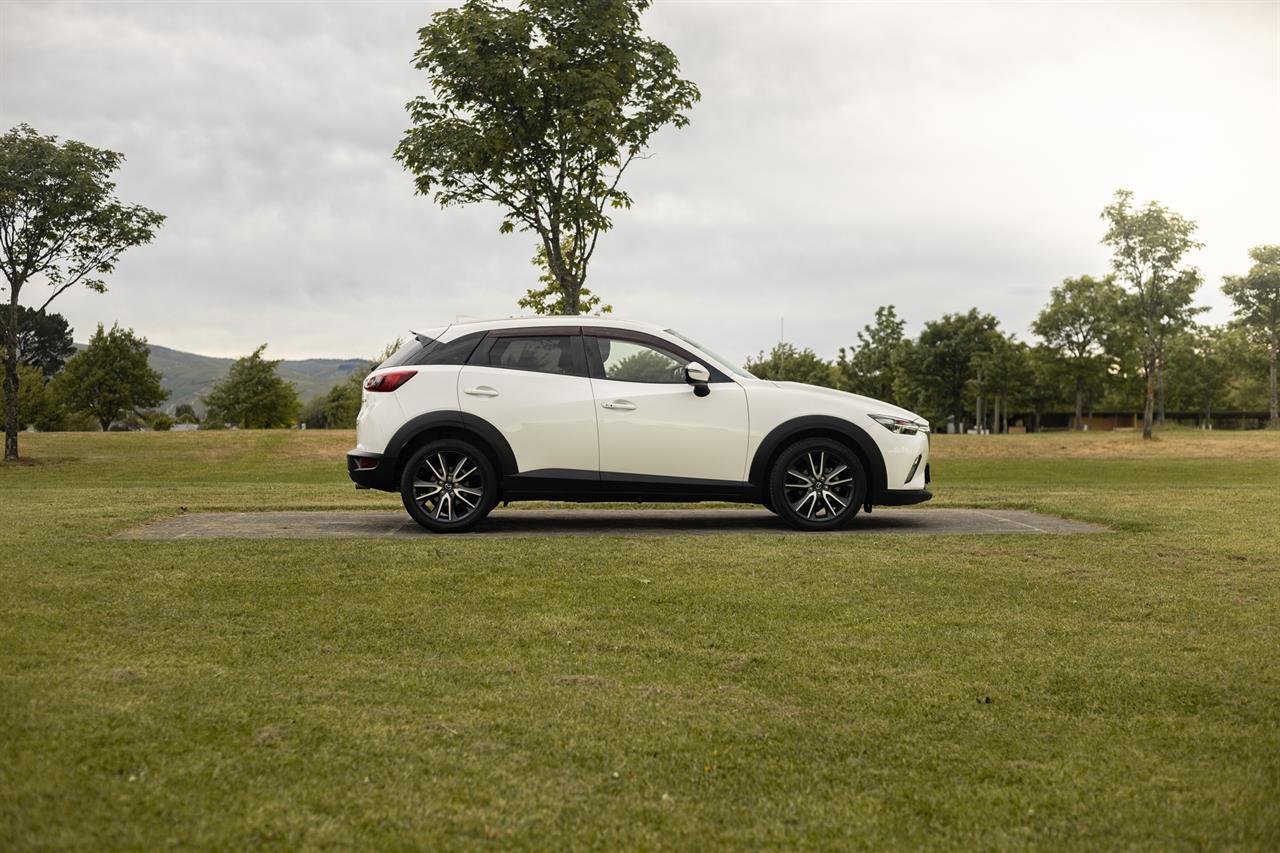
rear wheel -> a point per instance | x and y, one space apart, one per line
817 484
449 486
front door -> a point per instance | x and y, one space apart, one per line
534 388
652 423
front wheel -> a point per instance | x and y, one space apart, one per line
448 486
817 484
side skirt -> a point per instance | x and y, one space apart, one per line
553 484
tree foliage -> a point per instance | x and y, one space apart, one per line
111 377
1148 245
60 225
786 363
870 367
540 109
938 365
1078 323
44 339
1256 298
253 396
549 298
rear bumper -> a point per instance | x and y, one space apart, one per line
906 497
369 471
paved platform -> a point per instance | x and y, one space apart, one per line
587 522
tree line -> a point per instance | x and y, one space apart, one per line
1128 340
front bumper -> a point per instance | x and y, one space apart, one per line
368 471
905 497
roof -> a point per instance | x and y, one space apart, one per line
475 325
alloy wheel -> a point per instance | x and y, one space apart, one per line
819 485
448 485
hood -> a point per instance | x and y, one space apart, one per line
872 405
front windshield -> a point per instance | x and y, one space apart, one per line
723 362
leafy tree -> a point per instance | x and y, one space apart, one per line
541 108
111 377
937 366
785 363
186 414
1148 244
60 225
1045 382
1256 296
37 406
1001 372
1200 370
253 395
549 299
870 367
342 403
1080 318
44 339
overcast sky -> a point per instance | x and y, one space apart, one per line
936 156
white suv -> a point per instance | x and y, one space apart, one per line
593 409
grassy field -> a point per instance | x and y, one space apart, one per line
1119 689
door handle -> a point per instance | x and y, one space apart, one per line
621 405
481 391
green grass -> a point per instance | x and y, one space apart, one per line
682 692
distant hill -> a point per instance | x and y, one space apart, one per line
188 375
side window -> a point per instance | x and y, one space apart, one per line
541 354
454 352
628 361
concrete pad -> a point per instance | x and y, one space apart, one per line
586 522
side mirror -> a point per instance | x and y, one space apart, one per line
697 376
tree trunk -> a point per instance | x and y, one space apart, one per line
106 423
1160 392
1148 403
1079 403
982 421
1275 410
1037 429
570 288
11 381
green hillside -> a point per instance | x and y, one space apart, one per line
188 375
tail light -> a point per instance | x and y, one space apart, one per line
389 381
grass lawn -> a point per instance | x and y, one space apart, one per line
1110 690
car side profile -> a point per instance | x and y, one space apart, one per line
468 415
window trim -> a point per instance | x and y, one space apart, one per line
480 355
596 365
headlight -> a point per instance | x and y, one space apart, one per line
902 426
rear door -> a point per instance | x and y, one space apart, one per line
532 385
651 421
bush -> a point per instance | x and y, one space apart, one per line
162 423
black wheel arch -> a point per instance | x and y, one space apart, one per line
418 430
821 426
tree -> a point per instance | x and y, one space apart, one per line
37 406
110 377
1256 297
60 225
1044 386
1199 371
1148 244
1002 371
43 341
253 395
541 109
186 414
869 369
785 363
937 366
549 299
1081 316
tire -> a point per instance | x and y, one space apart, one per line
838 474
440 481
